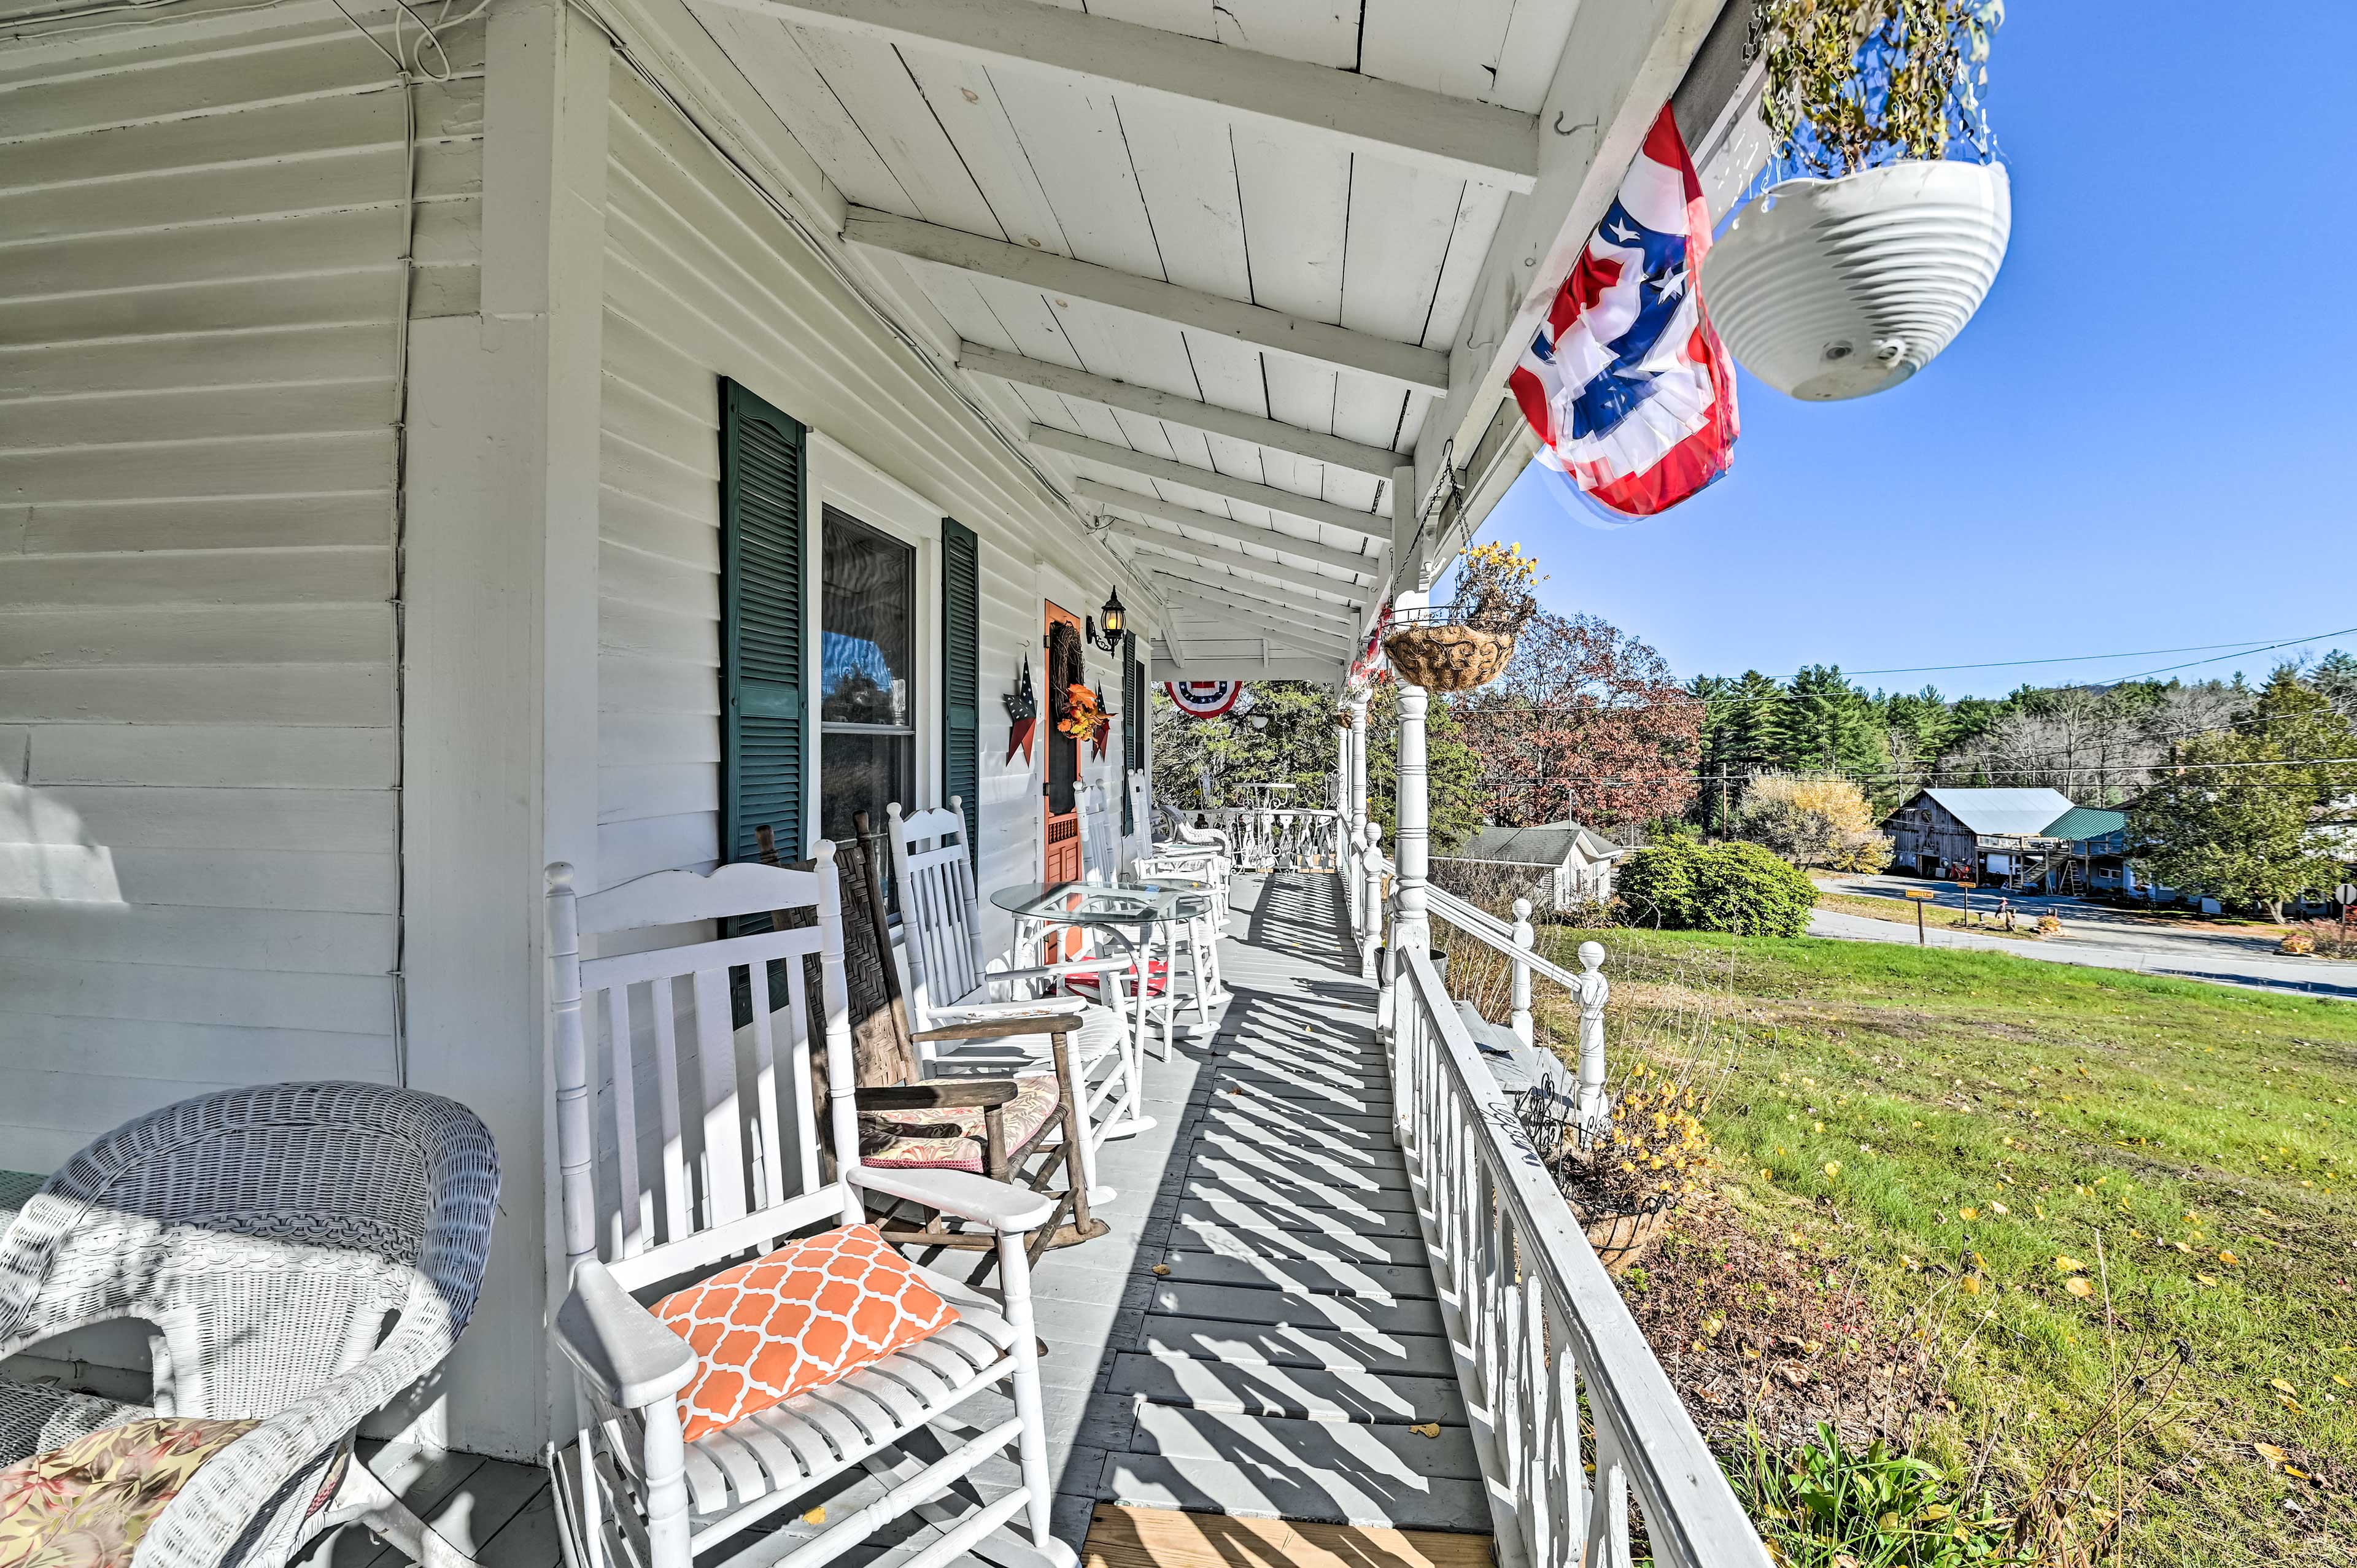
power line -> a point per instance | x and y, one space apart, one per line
2242 651
2074 658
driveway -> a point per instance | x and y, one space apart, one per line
2093 934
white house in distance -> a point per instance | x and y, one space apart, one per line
594 431
1576 862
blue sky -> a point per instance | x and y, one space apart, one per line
2138 442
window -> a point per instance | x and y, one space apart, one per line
868 701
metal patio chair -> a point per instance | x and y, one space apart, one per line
688 1141
266 1234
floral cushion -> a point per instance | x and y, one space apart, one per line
954 1139
87 1505
806 1315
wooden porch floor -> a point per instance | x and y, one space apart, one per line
1257 1337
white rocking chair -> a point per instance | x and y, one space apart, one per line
1203 854
950 984
690 1142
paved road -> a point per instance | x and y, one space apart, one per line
2095 935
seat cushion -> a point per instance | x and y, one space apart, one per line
36 1417
87 1504
802 1316
800 1443
1093 985
955 1139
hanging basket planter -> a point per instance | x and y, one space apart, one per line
1621 1239
1448 657
1828 289
1455 647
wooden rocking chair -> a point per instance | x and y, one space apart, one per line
688 1141
1023 1128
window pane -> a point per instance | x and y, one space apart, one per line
866 608
864 773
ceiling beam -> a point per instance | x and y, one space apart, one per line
1237 666
1239 623
1145 538
1465 139
1321 343
1310 508
1144 505
1333 622
1186 411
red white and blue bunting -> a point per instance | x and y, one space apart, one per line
1203 699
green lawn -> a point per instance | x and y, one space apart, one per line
1929 1118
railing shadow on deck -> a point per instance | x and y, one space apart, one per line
1293 1145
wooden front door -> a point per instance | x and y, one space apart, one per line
1060 803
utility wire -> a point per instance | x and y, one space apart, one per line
2074 658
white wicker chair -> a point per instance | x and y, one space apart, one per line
265 1234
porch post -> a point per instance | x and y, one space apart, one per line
499 694
1412 925
1355 786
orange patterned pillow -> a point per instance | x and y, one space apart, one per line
805 1315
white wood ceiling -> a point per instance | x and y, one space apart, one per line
1228 206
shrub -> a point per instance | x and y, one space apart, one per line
1740 887
1814 821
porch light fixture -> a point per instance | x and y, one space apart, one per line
1117 621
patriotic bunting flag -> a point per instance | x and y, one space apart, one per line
1203 699
1630 393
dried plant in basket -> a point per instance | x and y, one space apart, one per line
1467 644
1623 1178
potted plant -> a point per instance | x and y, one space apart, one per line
1852 272
1624 1177
1457 647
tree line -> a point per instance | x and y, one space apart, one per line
2101 746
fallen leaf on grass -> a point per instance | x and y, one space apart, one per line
2068 1265
1832 1167
2270 1452
1972 1284
2205 1279
2079 1285
2281 1387
1996 1207
1968 1213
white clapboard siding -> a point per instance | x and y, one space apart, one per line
701 280
202 214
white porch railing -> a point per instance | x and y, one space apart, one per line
1282 838
1539 1324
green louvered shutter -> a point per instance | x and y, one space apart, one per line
764 637
961 672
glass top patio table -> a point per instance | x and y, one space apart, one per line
1098 904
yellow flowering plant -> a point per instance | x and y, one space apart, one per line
1493 588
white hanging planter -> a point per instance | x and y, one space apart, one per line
1834 288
